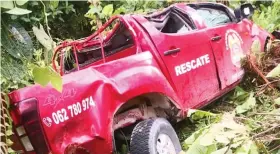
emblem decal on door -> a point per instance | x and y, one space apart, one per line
234 45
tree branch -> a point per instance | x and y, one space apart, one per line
268 130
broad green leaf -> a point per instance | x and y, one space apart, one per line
139 11
108 10
54 3
190 140
21 2
228 129
10 150
274 72
34 19
56 80
211 148
9 142
254 149
44 75
9 132
43 37
119 10
195 147
224 150
1 134
41 76
247 105
240 94
245 148
18 11
237 143
34 3
199 114
221 138
69 8
207 139
7 4
277 101
7 124
92 12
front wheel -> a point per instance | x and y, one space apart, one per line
154 136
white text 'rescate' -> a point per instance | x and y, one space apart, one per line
191 65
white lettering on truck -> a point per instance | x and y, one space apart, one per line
71 111
191 65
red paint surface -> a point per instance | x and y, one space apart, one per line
140 69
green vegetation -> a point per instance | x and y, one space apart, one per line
103 10
268 16
244 121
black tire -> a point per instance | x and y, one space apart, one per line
145 135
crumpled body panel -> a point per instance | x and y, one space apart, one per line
83 113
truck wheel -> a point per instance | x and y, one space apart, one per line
154 136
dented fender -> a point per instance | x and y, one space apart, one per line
260 36
83 113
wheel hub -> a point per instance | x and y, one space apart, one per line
165 145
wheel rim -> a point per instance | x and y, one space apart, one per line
165 145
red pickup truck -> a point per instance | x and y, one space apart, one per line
137 73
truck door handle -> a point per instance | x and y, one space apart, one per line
216 38
169 52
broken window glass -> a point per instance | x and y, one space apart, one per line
175 25
213 17
169 21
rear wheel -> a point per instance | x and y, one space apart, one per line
154 136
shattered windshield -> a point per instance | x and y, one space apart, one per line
213 17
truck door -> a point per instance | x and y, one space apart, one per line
230 41
187 55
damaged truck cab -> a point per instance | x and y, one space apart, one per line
131 75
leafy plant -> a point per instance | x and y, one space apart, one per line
19 65
13 8
268 17
103 10
246 105
223 137
32 11
274 72
44 75
6 126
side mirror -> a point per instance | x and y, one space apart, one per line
245 11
